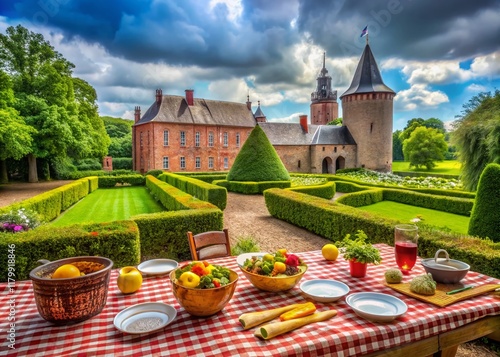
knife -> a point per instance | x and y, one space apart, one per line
459 290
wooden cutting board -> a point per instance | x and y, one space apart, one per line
440 298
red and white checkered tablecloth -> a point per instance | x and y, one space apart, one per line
222 335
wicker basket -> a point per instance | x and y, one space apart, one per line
72 300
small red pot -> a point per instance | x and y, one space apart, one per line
358 270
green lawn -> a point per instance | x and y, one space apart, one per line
448 167
405 213
109 204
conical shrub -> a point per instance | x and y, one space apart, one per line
485 217
258 160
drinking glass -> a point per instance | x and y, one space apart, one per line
405 243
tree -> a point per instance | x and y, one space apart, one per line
477 136
337 121
120 132
65 122
15 135
424 147
397 146
485 215
258 160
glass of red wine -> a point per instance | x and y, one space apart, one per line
405 243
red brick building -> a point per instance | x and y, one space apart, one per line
192 134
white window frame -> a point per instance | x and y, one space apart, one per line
210 162
183 138
165 137
238 140
226 163
225 139
197 139
182 162
197 162
166 163
211 139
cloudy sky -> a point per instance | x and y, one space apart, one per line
435 54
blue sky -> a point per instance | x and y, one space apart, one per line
436 55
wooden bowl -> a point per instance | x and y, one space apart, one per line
71 300
204 302
274 284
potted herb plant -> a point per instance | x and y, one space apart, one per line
359 253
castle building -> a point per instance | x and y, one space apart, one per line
192 134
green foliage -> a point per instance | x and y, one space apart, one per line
477 136
245 244
88 164
112 181
163 235
250 187
397 146
204 191
75 175
118 241
485 218
154 173
122 163
337 122
258 161
326 190
424 147
362 198
359 249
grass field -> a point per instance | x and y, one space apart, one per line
405 213
448 167
109 204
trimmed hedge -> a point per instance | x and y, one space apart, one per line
112 181
93 183
251 187
122 163
208 177
333 221
164 234
326 190
204 191
362 198
118 241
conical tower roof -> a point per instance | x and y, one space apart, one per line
367 78
258 160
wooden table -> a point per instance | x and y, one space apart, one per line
424 330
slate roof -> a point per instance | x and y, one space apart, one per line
293 134
174 109
367 78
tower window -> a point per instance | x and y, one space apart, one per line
298 164
335 149
371 127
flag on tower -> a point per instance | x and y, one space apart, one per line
364 32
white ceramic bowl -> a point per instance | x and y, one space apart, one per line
376 307
324 290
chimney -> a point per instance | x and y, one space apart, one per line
159 95
189 97
137 114
249 103
303 123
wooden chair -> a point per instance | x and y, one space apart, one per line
213 244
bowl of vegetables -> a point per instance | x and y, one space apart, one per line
276 272
203 289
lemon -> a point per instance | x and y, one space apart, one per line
330 251
268 257
66 271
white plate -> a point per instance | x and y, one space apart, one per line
157 266
376 306
145 318
324 290
240 259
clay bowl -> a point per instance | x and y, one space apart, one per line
445 270
204 302
71 300
274 284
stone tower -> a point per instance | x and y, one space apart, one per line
367 111
324 106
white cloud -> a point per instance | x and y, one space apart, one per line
418 96
474 87
293 118
487 66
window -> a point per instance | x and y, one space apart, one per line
210 139
197 139
183 138
165 162
226 163
183 163
298 164
197 163
210 162
237 140
225 140
141 139
165 138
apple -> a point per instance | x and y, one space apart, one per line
189 279
129 280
